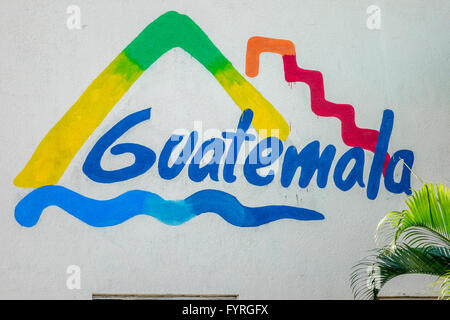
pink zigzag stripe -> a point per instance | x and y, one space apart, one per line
352 135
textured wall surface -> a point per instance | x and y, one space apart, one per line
45 66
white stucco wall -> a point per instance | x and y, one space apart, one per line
45 67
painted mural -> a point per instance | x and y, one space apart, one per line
171 30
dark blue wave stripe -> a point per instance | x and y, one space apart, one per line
105 213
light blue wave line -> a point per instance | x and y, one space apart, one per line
105 213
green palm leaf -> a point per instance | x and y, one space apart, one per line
445 286
427 219
415 240
372 273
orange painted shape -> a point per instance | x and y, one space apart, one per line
257 45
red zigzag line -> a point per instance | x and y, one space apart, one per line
352 135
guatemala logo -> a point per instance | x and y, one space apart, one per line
173 30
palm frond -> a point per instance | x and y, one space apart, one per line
372 273
423 237
445 286
415 240
428 210
387 228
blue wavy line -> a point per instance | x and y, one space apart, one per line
105 213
